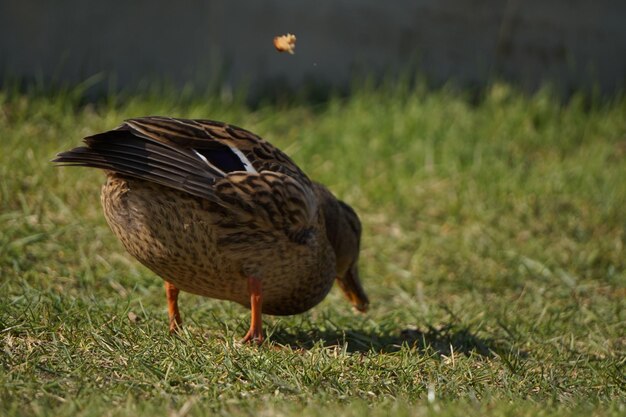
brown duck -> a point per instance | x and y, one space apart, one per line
217 211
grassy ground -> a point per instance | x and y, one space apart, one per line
493 255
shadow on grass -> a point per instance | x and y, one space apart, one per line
443 340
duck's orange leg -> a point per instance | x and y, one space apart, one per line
255 334
171 292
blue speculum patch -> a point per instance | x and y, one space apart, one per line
223 158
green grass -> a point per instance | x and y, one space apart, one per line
493 255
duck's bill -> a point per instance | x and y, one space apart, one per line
351 286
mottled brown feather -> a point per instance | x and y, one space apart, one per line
205 230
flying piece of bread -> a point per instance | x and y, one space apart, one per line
285 43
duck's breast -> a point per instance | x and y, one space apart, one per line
177 236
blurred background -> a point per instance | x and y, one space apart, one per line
573 45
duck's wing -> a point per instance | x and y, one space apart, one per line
252 181
229 147
123 152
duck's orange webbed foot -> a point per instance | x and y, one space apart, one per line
171 292
255 334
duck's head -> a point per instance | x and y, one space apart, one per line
346 241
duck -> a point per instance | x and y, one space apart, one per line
217 211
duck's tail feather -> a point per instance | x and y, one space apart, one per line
122 152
